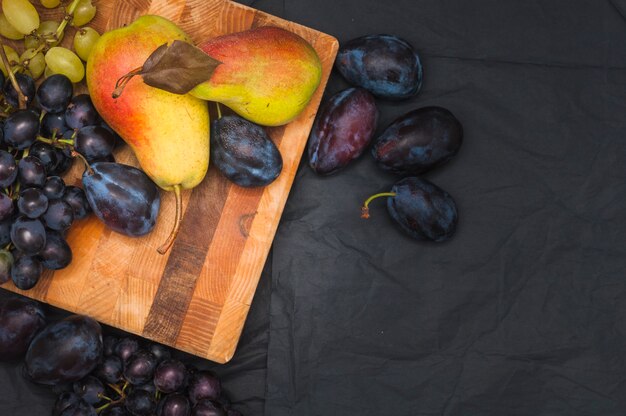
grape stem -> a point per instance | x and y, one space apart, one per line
179 217
21 98
54 141
70 12
365 210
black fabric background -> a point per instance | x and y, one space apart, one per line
523 312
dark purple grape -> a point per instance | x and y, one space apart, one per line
110 369
385 65
118 139
207 408
20 129
125 348
82 408
94 142
243 152
108 343
55 93
56 254
28 235
32 202
75 196
31 172
81 112
7 207
65 400
65 351
149 387
26 84
422 210
170 376
53 124
59 215
6 262
203 385
8 169
140 403
115 411
54 188
342 131
174 405
26 272
123 197
418 141
161 352
139 368
90 389
20 320
46 155
233 412
64 161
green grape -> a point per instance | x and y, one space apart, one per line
9 31
21 14
63 61
12 56
47 72
84 41
46 30
84 12
32 41
34 62
50 4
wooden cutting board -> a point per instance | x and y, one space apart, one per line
196 297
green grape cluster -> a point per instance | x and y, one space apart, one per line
42 54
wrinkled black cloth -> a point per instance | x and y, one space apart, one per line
523 313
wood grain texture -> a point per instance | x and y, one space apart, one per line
197 296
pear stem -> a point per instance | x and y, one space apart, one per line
219 110
365 210
124 79
177 222
21 98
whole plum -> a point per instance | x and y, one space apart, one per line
385 65
20 320
421 209
418 141
342 131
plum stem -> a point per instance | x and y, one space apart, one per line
219 110
21 98
88 168
365 210
177 222
124 79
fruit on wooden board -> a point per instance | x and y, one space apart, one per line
423 210
169 133
418 141
243 152
266 75
20 320
385 65
342 131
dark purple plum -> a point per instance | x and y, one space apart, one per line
77 199
174 405
421 209
64 351
385 65
55 93
140 403
139 368
244 153
418 141
207 407
56 254
94 142
125 348
20 129
110 369
170 376
26 272
90 389
20 320
122 197
26 84
343 129
203 385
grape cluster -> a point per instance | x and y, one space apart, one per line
141 380
42 54
37 145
